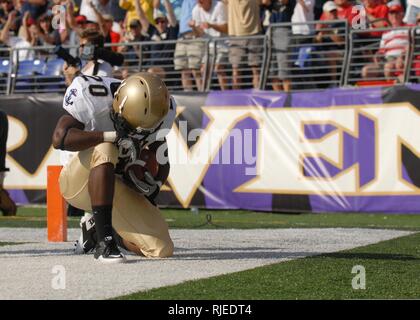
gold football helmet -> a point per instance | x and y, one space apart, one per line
142 100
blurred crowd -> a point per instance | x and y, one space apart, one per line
29 23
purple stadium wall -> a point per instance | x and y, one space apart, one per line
354 150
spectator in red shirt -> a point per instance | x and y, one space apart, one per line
376 15
395 66
389 60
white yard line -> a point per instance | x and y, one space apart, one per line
27 269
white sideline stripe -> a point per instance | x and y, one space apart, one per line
26 270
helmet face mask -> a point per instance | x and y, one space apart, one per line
142 100
145 132
120 124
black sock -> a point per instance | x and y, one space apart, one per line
103 221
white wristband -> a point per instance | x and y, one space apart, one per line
110 136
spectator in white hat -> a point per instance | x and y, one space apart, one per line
329 6
331 37
344 11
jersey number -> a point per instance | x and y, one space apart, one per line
96 90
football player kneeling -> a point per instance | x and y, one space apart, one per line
110 123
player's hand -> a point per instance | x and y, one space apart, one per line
128 148
120 126
150 187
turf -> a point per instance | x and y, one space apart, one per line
392 267
9 243
35 217
392 271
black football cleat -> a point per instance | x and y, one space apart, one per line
107 252
88 239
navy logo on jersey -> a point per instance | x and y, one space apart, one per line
67 98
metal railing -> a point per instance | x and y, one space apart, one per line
331 55
5 70
314 60
32 70
413 66
236 63
166 58
369 64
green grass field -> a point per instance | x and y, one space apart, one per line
36 218
8 243
392 272
392 267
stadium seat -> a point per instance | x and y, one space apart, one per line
53 67
23 86
4 70
4 66
52 78
31 67
25 80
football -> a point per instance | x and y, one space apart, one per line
149 157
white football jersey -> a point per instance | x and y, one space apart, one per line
104 69
89 100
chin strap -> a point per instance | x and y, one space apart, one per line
121 126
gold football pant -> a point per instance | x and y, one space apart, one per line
134 218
